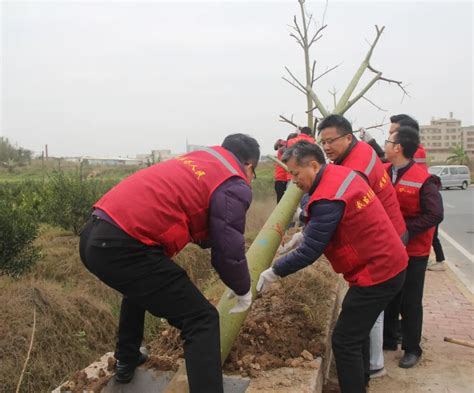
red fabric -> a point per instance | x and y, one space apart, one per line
167 204
364 159
300 137
420 157
280 173
409 199
365 247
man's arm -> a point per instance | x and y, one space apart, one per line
431 205
227 209
325 217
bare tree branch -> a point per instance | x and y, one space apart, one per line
312 72
294 78
324 13
374 104
298 28
372 127
358 96
342 105
315 36
297 40
296 86
283 119
333 93
317 101
326 72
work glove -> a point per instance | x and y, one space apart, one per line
365 135
291 244
243 302
266 279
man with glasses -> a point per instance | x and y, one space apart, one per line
422 209
140 224
341 146
344 221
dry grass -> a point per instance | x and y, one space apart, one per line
71 330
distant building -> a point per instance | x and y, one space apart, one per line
111 161
442 135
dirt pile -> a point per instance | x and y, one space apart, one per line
284 328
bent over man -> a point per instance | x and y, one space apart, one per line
140 224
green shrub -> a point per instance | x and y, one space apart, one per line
18 229
69 197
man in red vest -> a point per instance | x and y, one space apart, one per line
344 221
304 135
281 175
141 223
401 120
342 147
422 209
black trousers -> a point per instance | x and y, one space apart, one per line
150 281
409 304
350 339
438 249
280 188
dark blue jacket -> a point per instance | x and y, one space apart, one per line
227 210
324 219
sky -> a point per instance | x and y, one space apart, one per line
119 78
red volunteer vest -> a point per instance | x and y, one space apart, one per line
364 159
420 157
408 193
167 204
280 173
359 250
300 137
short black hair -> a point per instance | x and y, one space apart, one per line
408 139
244 147
306 130
405 120
302 150
340 122
291 136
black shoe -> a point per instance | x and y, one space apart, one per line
124 371
409 360
390 346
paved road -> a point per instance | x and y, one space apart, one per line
457 233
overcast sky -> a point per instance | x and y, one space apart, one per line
120 78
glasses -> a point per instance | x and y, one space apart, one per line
330 141
387 142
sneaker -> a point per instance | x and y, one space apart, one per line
378 373
124 372
437 267
409 360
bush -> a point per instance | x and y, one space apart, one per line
19 228
69 197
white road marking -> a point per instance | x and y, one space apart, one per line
457 246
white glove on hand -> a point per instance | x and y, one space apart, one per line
243 302
266 278
365 135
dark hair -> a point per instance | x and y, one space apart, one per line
306 130
291 136
405 120
304 149
408 139
340 122
244 147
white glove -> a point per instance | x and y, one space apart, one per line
291 244
365 135
243 302
266 278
